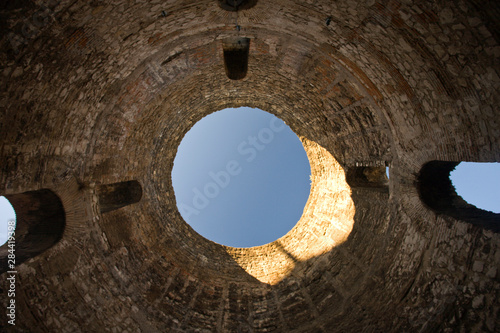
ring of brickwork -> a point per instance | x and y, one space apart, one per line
326 221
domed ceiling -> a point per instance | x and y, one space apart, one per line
97 95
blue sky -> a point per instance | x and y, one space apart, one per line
242 178
249 190
478 184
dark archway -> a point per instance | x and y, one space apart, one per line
40 225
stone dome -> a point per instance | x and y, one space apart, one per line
97 95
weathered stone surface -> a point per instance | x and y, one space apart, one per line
95 93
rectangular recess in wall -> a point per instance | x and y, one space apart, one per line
236 57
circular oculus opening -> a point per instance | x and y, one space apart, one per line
241 177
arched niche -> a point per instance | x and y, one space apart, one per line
118 195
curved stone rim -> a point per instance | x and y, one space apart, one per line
326 221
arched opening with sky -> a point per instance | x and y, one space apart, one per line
478 184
